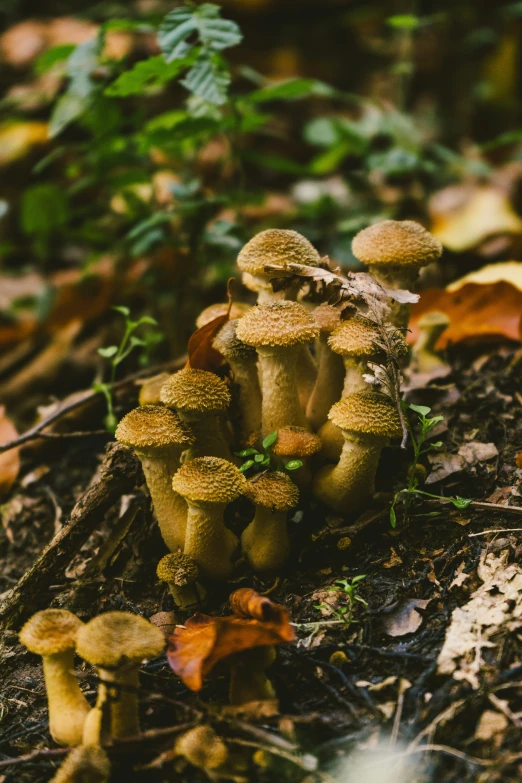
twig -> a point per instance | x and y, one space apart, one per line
35 754
496 530
435 749
65 435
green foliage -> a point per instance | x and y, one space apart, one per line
425 426
345 612
146 74
265 460
78 96
44 209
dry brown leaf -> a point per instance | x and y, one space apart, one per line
9 460
201 353
491 726
394 559
469 455
250 605
402 617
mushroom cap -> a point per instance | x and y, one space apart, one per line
327 317
396 243
87 762
202 747
277 246
355 337
273 490
153 427
296 442
50 631
277 324
177 569
196 391
230 347
113 638
150 388
368 413
213 311
209 479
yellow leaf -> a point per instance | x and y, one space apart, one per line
506 271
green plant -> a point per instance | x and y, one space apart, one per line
264 460
115 354
345 613
426 425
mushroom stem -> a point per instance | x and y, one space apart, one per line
265 541
68 706
209 438
353 379
345 487
328 385
117 697
208 542
281 406
306 374
84 765
248 681
169 507
246 379
396 277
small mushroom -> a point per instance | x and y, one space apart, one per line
265 541
276 246
296 443
242 359
117 643
52 634
202 748
276 329
181 574
424 358
367 420
199 398
150 389
330 375
158 438
209 484
214 311
395 251
86 764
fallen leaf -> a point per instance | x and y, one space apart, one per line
248 604
394 560
477 452
460 577
19 138
9 460
504 271
201 353
402 616
469 454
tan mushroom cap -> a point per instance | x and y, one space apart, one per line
277 246
278 325
85 763
177 569
50 632
153 427
368 413
113 638
355 337
196 391
210 480
296 441
230 347
327 317
213 311
396 243
273 490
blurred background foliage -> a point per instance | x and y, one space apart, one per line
134 164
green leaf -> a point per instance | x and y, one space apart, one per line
436 445
246 465
259 458
292 89
51 57
149 320
265 462
108 352
293 464
246 453
404 21
358 578
393 517
209 79
136 342
422 410
270 440
154 72
123 310
459 502
44 209
205 21
77 98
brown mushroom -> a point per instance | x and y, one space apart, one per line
330 374
295 444
181 574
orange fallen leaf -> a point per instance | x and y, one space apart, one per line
9 460
196 648
201 353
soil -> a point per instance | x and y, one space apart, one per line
328 706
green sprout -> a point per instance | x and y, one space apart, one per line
406 495
345 613
115 354
264 460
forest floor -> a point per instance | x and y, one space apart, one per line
385 707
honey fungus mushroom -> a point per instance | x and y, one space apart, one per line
200 398
265 541
52 634
86 764
117 643
209 484
276 330
158 438
297 444
202 748
181 573
330 373
277 246
214 311
367 420
395 251
242 359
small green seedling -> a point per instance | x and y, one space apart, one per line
264 460
406 495
115 354
345 613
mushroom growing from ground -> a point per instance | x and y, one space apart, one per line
368 420
214 311
297 444
395 251
86 764
199 398
158 438
265 541
276 329
181 574
424 358
330 374
209 484
52 634
117 643
242 359
202 748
